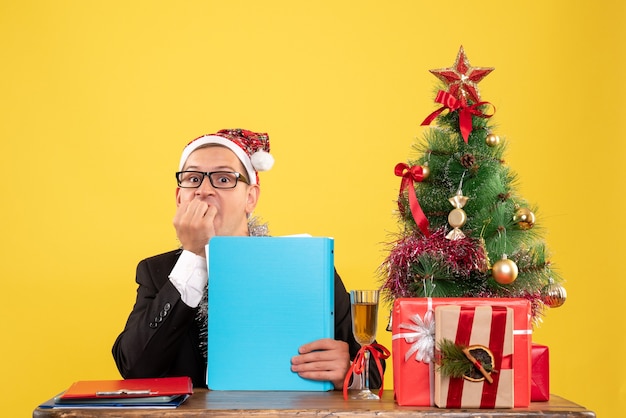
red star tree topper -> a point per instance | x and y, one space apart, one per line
462 78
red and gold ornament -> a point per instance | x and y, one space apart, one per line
462 79
462 95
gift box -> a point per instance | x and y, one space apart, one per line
481 339
540 378
413 329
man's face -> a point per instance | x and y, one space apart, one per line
233 205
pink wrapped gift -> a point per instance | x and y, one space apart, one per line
413 341
483 330
540 380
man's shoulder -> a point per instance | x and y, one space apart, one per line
168 258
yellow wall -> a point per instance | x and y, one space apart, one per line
97 100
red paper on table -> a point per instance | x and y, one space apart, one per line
129 388
540 380
413 371
479 328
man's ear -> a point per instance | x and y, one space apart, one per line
177 196
252 198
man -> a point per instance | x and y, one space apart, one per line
165 334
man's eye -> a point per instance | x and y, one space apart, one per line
224 179
191 178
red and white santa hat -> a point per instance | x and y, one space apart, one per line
252 149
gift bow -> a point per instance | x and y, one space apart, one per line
358 365
465 112
422 339
409 176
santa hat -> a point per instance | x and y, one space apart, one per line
252 149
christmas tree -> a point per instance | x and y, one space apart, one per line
464 230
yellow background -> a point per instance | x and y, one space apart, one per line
97 100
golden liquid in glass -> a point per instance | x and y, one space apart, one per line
364 318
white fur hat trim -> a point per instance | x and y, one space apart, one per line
215 139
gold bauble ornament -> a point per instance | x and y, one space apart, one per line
553 294
492 140
524 218
425 170
504 271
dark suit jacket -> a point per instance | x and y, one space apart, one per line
161 337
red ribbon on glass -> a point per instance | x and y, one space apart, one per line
358 365
465 112
409 176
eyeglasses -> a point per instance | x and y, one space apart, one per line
218 179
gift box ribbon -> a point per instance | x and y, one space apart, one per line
496 346
422 337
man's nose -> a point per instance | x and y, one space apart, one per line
206 187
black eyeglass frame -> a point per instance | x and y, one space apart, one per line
238 177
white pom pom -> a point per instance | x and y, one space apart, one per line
262 160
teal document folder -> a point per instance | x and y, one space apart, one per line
267 297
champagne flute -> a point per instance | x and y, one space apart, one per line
364 307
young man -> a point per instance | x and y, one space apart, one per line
165 334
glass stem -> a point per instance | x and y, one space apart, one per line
366 372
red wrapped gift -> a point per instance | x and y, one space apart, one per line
413 340
540 380
487 334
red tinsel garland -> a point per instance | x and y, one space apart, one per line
461 257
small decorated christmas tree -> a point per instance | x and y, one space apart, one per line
465 231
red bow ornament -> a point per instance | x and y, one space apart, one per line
465 112
409 176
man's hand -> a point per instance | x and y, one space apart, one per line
194 225
324 359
